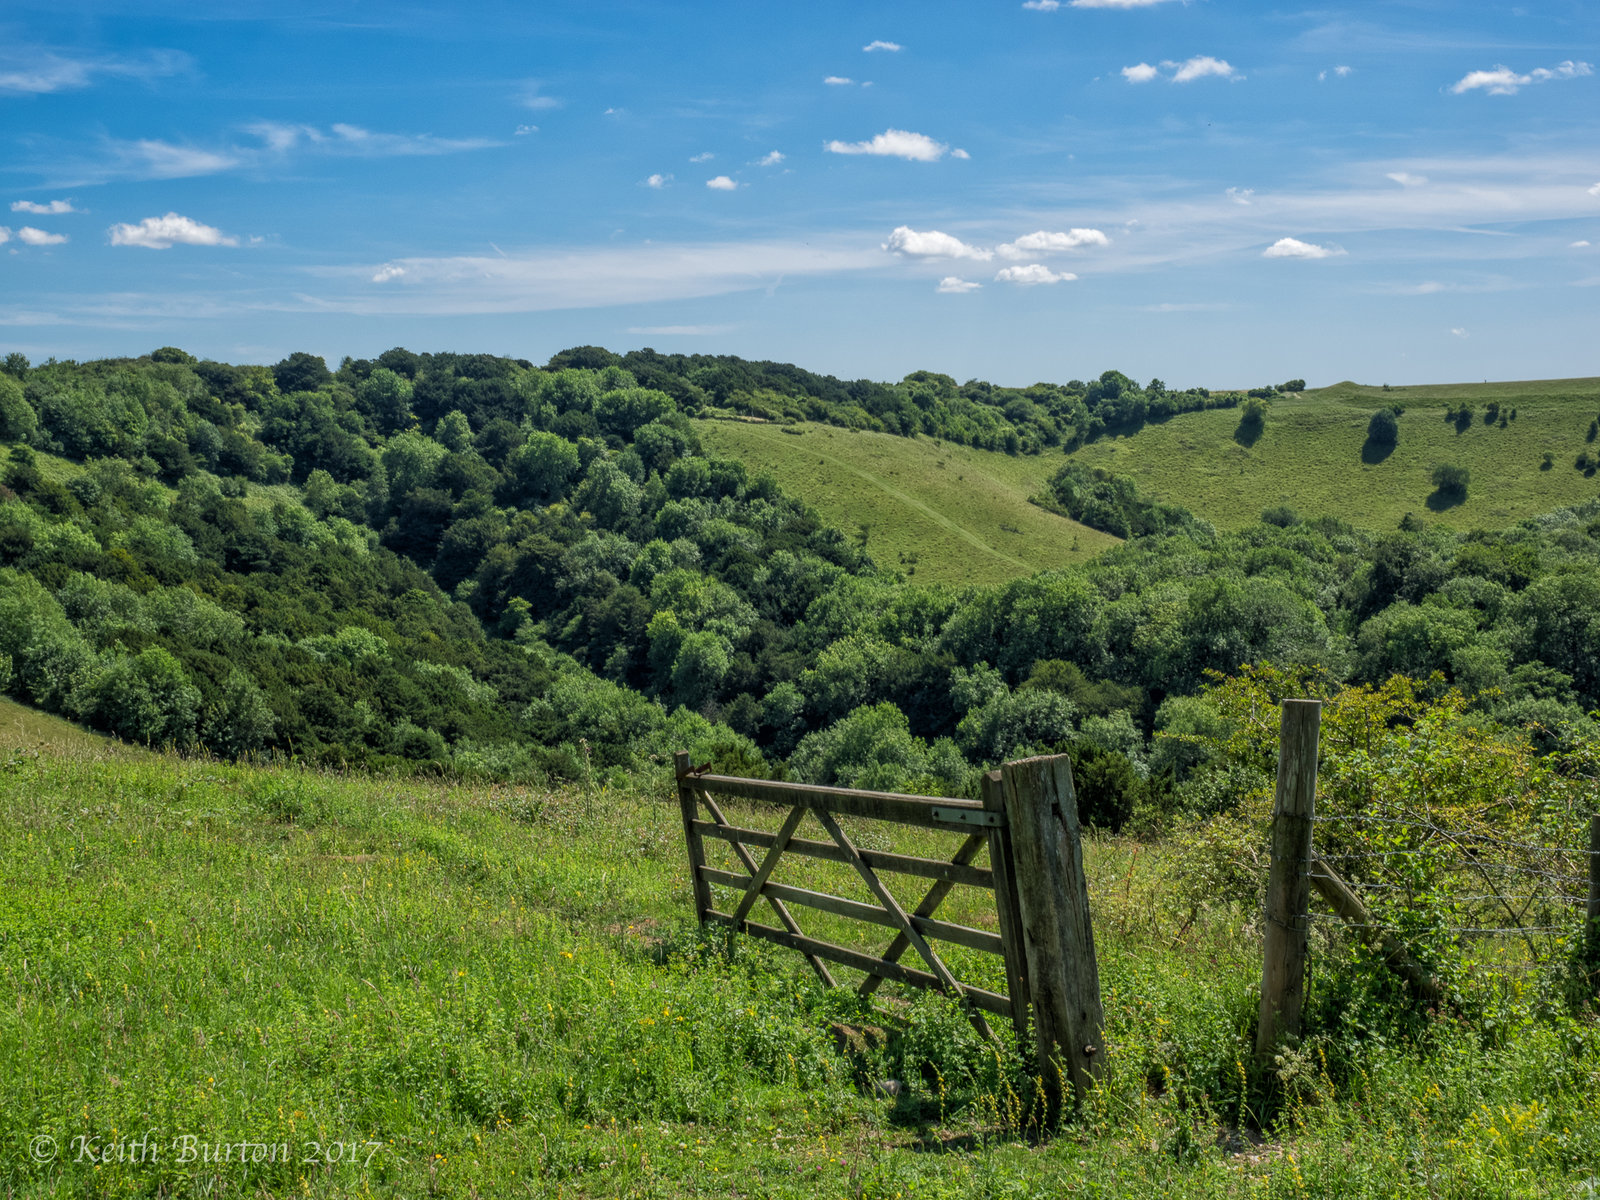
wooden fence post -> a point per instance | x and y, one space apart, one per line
1289 884
1593 930
696 845
1057 932
1003 864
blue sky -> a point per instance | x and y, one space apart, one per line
1214 192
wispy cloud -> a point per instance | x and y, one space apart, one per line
770 159
722 183
532 97
1039 6
51 208
583 277
354 140
162 233
891 47
387 272
1338 72
1460 333
1034 244
1031 275
37 71
932 243
1406 178
1240 195
1116 3
1289 247
1140 73
838 81
658 181
894 143
679 330
954 285
1503 81
707 156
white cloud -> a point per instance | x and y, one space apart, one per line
1407 179
1340 71
1033 273
658 180
35 71
150 159
1198 67
838 81
52 209
707 156
721 184
891 47
959 153
525 130
894 143
1040 6
1594 191
1289 247
354 140
29 236
387 272
1116 3
162 233
5 235
1033 244
1241 195
1201 66
770 160
1578 245
954 285
1503 81
933 244
1460 333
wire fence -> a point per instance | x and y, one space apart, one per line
1517 903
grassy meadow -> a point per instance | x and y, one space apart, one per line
426 989
942 513
1311 455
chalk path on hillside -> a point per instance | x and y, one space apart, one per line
933 515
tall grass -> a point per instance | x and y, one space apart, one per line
499 991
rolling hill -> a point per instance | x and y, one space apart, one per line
941 512
1313 457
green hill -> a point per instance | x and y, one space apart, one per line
941 512
1312 455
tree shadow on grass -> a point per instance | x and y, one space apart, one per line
1374 452
1248 433
1445 498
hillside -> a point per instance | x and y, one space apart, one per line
941 512
1312 455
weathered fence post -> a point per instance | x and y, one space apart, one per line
1057 933
1289 884
1003 864
692 839
1593 929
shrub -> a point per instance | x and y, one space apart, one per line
1451 479
1383 429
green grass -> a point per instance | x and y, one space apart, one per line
940 512
1310 456
27 729
499 992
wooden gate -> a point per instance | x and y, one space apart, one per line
980 825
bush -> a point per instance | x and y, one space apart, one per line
1451 479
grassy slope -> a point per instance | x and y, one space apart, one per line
1310 456
496 992
956 514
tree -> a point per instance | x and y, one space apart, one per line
1294 385
1383 429
301 372
18 422
1451 480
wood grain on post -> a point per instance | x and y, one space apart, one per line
1289 885
691 836
1002 863
1057 932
